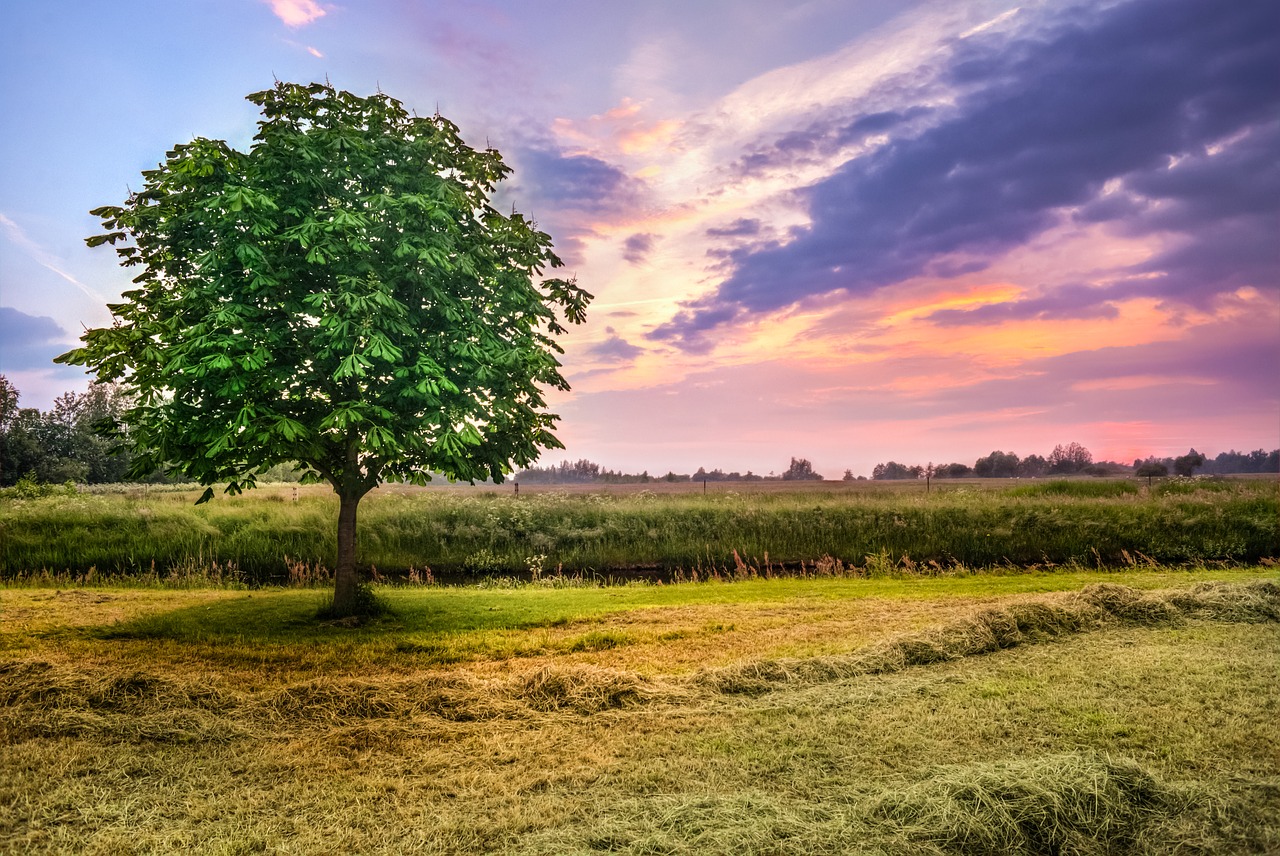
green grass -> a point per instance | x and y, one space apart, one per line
266 537
1034 713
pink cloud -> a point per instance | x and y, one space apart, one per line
296 13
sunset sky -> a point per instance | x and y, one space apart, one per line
849 231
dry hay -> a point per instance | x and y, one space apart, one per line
38 699
1056 804
584 689
1096 606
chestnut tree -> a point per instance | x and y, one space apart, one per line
342 296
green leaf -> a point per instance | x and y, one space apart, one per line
341 291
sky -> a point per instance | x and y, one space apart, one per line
852 231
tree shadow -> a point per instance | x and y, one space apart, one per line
294 617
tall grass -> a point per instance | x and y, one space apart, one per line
270 537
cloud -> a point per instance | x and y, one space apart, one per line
571 195
615 349
1154 117
576 181
743 227
1070 301
623 128
296 13
30 341
636 248
44 258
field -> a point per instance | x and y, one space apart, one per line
1130 712
881 707
734 529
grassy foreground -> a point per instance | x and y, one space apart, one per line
1037 713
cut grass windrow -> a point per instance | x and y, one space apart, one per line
43 700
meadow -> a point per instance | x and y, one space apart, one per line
751 529
1079 667
1063 712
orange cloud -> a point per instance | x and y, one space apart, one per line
296 13
622 128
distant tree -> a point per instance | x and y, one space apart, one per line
1150 468
1257 461
342 295
9 396
894 470
848 475
1071 458
800 470
997 465
1032 466
1185 465
954 471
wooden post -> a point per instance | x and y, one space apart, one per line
517 484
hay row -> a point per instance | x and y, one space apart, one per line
1093 608
38 699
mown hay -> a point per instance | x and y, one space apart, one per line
582 689
1096 606
39 699
1056 804
1251 602
1130 605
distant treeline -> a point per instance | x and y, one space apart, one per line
1074 459
65 444
587 472
1071 459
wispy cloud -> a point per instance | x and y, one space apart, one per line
44 258
296 13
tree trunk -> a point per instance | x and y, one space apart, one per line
345 582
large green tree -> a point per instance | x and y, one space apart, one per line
342 295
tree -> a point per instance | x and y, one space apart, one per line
341 295
800 470
997 465
1185 465
1150 468
894 470
1071 458
1033 466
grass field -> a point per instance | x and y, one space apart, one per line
735 529
1064 711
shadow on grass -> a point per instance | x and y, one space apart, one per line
295 617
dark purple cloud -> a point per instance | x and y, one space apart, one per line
636 248
743 227
1174 101
29 341
577 182
615 349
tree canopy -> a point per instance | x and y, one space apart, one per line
343 296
